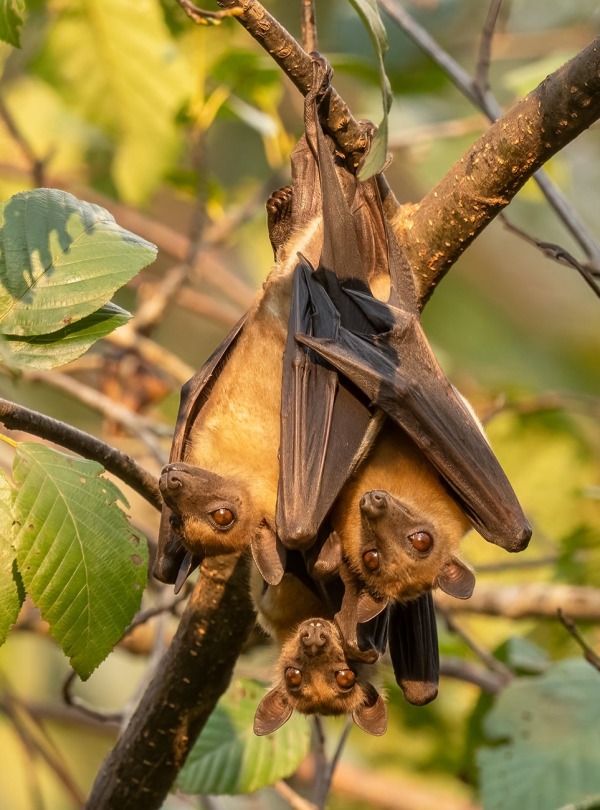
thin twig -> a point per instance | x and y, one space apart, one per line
482 70
138 425
39 742
320 787
490 106
486 657
558 254
16 417
37 164
589 654
79 705
201 17
338 751
468 671
309 26
294 799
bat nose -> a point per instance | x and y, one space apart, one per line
374 503
171 478
313 637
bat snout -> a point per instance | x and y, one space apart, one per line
374 504
313 637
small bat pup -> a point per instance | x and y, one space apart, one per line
314 672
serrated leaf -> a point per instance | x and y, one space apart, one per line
11 21
80 561
120 68
12 593
65 345
61 259
228 758
552 724
369 14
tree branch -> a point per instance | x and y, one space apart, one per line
188 681
541 600
435 232
16 417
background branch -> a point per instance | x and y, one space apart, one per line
542 600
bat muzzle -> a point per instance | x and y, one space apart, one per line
313 637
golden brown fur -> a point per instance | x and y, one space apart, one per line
396 466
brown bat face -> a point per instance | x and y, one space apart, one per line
213 515
401 551
315 677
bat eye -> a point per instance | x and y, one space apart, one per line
421 541
293 677
371 559
223 517
345 678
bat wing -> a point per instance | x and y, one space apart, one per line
173 563
398 371
323 422
414 650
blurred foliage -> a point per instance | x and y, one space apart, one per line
132 101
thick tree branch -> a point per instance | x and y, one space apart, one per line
16 417
479 185
189 680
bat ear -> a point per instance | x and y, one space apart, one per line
325 564
456 579
269 554
369 606
273 711
372 715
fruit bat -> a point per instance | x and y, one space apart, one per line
314 676
399 527
264 443
224 484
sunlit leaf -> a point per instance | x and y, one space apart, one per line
65 345
552 724
60 260
11 21
80 561
229 758
369 14
118 65
11 585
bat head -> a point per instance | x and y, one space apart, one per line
401 551
315 677
215 515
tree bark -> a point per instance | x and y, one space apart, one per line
188 682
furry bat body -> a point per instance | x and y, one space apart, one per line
225 488
399 528
314 676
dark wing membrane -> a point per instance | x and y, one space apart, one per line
171 556
414 649
323 423
398 371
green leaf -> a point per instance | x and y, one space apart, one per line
65 345
552 724
11 21
119 67
229 758
377 155
80 561
11 585
60 260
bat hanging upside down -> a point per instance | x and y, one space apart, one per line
226 489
